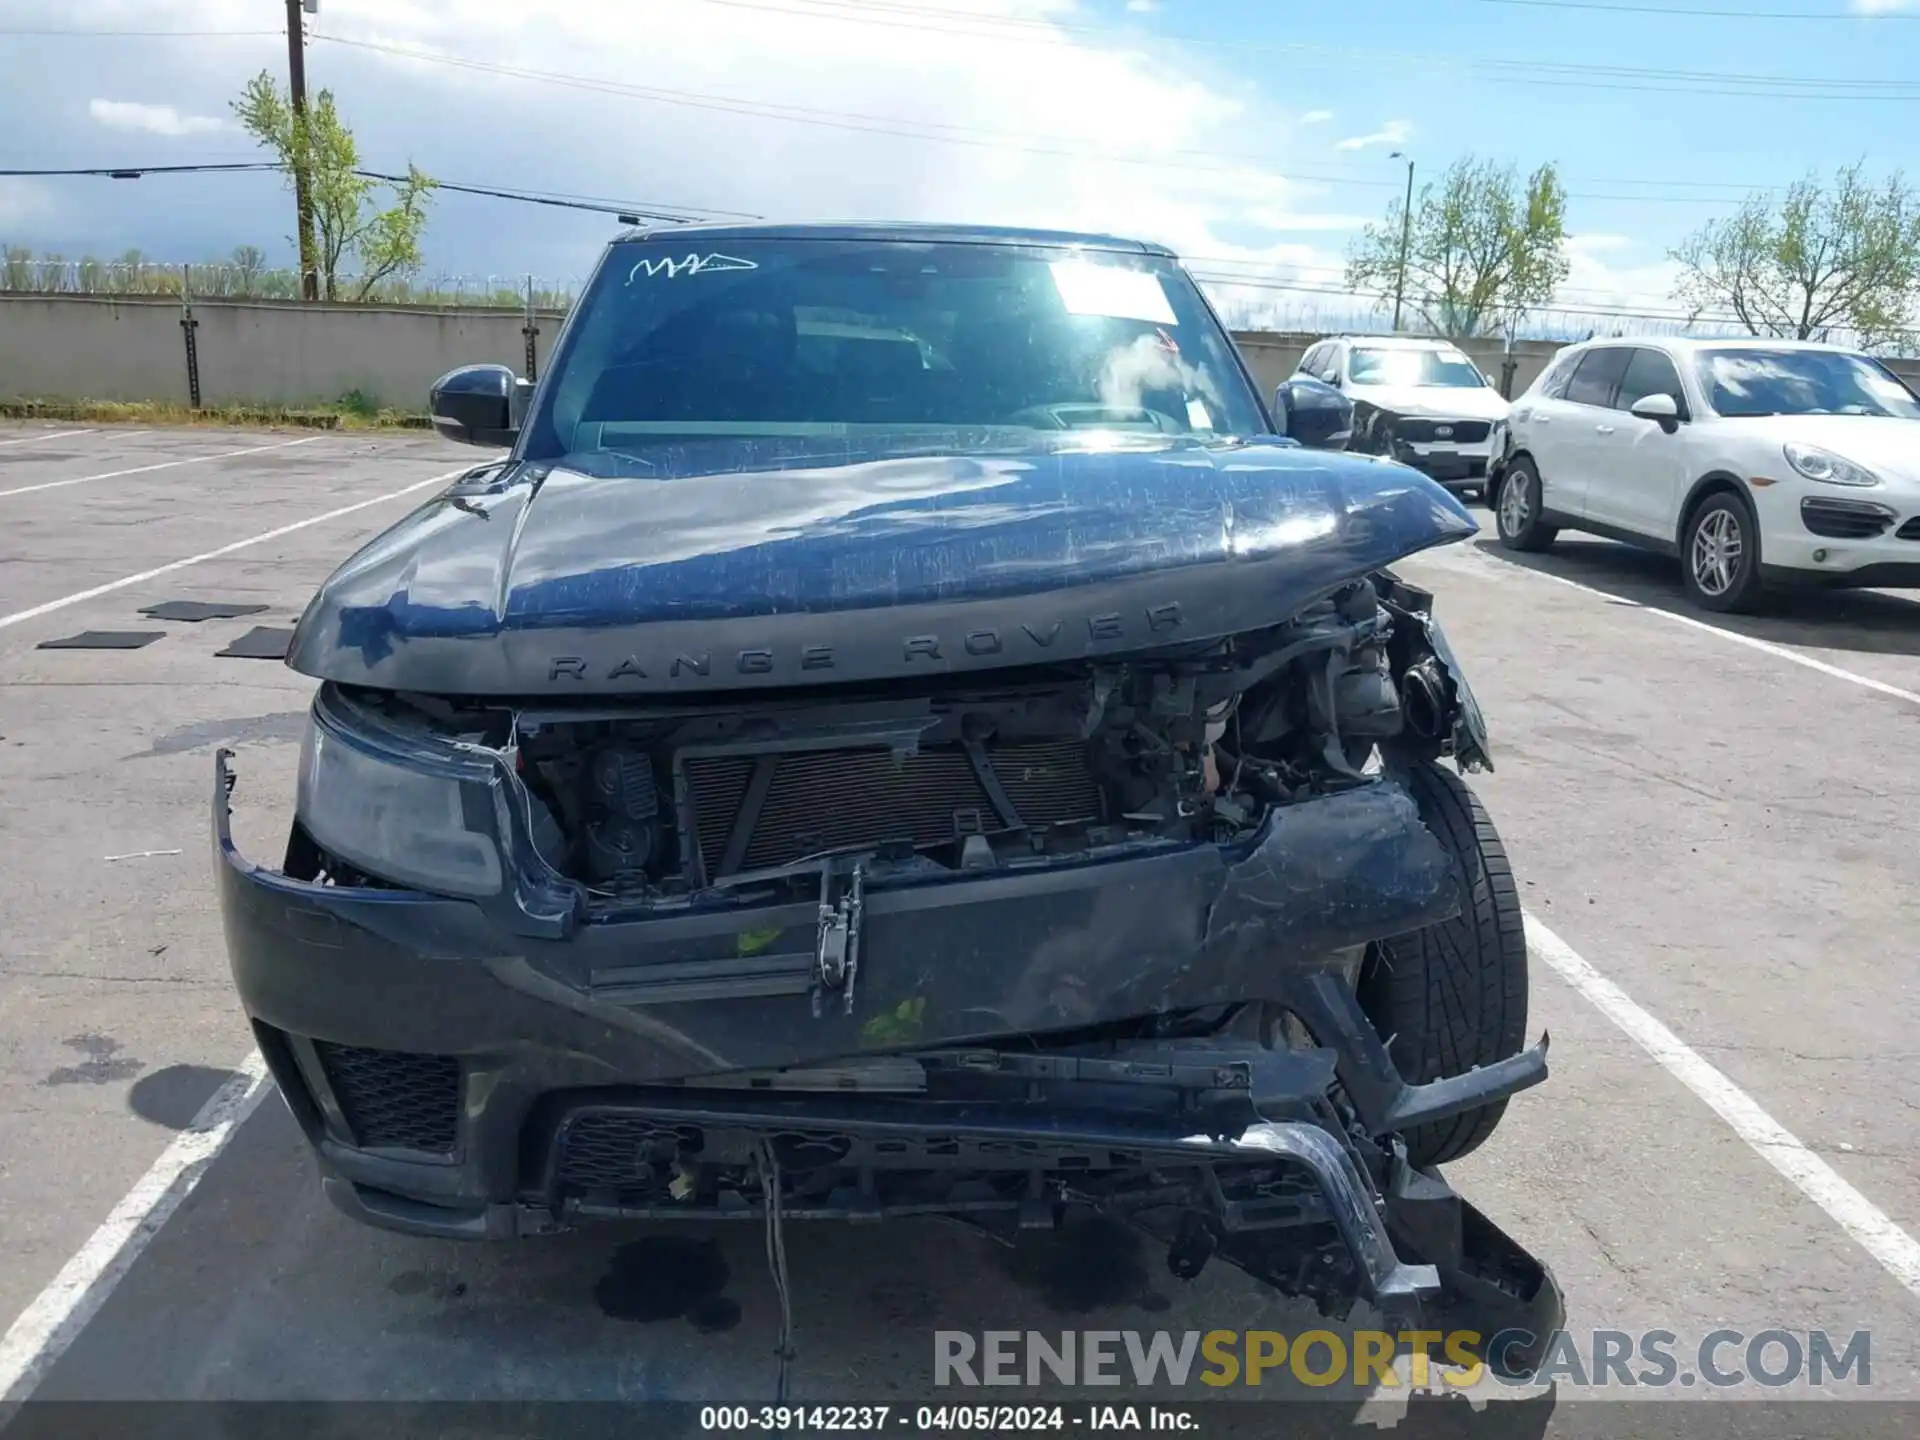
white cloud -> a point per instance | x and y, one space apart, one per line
151 119
1393 132
23 202
1316 117
1596 243
1880 7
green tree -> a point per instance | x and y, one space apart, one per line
348 225
1483 248
1814 261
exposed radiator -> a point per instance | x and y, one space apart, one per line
827 799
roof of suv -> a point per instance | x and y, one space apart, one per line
1693 344
1398 342
925 234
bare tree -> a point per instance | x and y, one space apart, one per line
1815 262
1482 250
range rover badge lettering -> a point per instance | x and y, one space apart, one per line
916 652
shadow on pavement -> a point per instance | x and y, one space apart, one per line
173 1096
1867 621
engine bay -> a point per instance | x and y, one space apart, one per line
649 802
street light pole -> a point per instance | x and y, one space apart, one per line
302 186
1406 237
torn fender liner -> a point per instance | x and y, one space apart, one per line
1331 872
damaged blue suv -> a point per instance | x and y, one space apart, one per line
903 731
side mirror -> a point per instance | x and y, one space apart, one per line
1658 408
1314 413
478 405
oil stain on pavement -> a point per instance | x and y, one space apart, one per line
668 1277
102 1066
1092 1264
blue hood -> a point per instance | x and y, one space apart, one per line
766 563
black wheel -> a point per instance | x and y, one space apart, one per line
1720 555
1516 511
1454 995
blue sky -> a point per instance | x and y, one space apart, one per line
1252 136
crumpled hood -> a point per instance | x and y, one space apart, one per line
756 563
1451 402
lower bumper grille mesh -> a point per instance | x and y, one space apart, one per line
393 1099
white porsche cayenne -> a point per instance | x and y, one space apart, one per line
1754 462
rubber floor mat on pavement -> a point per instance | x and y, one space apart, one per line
104 640
263 642
195 611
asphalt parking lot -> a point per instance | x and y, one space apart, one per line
1714 827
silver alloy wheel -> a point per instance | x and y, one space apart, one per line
1516 506
1717 548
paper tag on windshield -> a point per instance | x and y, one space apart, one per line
1111 292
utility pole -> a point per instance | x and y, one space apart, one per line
302 185
1406 238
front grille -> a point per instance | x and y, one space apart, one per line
1844 519
1426 432
622 1151
1909 531
828 799
393 1099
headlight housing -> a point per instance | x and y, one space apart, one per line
399 807
1827 467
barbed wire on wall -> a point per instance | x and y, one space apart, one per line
227 281
1245 302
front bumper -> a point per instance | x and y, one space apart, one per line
1801 545
366 1000
1450 464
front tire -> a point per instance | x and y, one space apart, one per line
1720 555
1516 511
1454 995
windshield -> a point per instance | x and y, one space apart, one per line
840 341
1755 381
1414 367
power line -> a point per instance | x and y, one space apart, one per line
885 13
601 205
134 172
1694 12
938 132
139 34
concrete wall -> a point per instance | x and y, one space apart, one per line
69 347
263 352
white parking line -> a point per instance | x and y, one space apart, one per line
61 1311
51 435
1765 647
162 465
35 612
1897 1251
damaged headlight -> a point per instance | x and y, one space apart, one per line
406 814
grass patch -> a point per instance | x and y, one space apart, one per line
354 411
